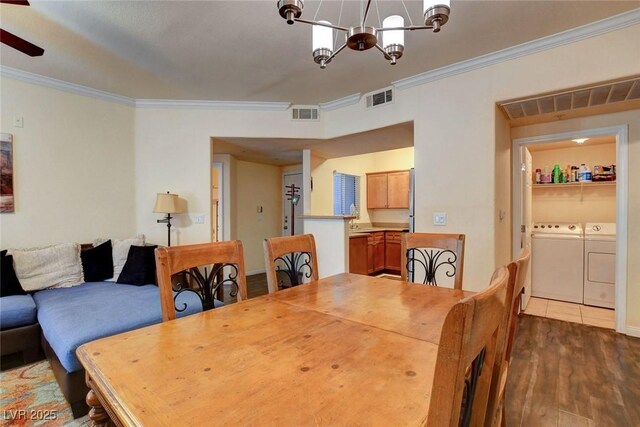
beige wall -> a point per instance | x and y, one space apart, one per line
73 167
257 185
455 133
575 204
322 195
173 152
632 120
502 216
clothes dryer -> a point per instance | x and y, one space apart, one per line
557 261
600 264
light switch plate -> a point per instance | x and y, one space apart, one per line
18 121
198 218
439 218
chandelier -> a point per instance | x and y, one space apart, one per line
363 37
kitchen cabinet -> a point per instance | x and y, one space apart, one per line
375 252
358 247
392 251
388 190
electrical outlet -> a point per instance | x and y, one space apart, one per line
439 218
198 218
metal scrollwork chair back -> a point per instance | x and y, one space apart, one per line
466 355
215 258
293 259
427 256
517 276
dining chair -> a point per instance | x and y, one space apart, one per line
466 352
290 261
208 266
430 256
517 274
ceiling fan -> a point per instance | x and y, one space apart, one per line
16 42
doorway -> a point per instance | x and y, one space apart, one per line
216 202
292 210
522 202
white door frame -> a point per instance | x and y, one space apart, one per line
220 234
622 184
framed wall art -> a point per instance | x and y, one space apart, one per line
6 173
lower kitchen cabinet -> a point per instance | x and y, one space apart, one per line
392 251
358 257
375 252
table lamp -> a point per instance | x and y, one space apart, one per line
167 203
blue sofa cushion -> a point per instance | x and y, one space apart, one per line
70 317
17 310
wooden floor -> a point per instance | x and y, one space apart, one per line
567 374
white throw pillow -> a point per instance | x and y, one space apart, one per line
120 252
57 266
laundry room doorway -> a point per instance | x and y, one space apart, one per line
569 198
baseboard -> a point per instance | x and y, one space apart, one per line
633 331
252 272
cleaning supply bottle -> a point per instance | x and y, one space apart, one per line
538 176
584 175
556 174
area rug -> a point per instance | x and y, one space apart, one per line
30 396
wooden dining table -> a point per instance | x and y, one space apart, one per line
344 350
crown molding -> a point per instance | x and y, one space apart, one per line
341 102
212 105
65 86
148 103
573 35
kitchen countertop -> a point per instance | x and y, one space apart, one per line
364 231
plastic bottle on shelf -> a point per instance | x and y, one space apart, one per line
556 174
538 176
574 174
584 175
546 176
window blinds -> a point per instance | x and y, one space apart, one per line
346 192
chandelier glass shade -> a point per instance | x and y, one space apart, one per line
361 36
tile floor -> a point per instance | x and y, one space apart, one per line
570 312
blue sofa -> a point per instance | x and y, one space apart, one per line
19 328
70 317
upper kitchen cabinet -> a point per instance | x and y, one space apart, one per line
388 190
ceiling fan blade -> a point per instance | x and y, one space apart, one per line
20 44
16 2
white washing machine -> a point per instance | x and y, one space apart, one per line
557 253
600 264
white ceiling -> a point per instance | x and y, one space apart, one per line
244 51
288 151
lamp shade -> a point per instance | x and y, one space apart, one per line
166 203
322 37
429 4
394 36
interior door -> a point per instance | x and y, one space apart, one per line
287 180
526 220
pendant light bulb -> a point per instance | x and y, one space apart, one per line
392 37
322 43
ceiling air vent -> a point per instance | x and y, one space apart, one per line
382 97
305 113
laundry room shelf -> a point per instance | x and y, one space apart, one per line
577 184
